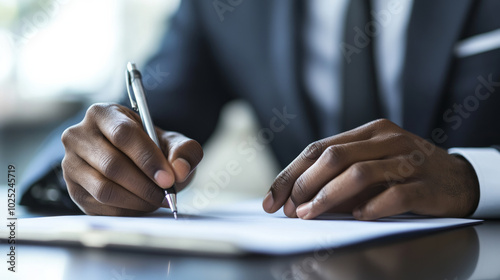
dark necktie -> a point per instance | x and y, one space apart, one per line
360 101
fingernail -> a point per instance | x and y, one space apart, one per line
303 210
164 179
289 208
268 202
182 169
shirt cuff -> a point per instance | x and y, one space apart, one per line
486 163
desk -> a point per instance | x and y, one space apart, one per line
463 253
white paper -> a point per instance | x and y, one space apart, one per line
241 228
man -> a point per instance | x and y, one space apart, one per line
431 68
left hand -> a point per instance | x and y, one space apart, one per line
374 171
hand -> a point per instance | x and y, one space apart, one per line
376 170
112 167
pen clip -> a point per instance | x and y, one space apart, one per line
128 80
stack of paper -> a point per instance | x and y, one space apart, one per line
236 229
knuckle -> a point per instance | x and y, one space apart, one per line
122 132
151 193
321 199
97 109
397 137
283 180
68 135
109 167
69 167
104 192
65 164
382 125
63 161
401 140
65 136
299 191
333 155
144 159
382 122
313 151
360 172
285 177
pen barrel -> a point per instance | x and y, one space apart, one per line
142 105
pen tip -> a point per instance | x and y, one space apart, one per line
175 215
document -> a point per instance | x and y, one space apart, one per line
241 228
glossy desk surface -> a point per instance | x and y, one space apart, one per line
464 253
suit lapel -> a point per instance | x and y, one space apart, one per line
434 28
285 56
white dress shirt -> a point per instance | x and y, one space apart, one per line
323 60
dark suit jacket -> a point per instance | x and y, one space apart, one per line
255 53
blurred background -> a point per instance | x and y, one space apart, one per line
59 56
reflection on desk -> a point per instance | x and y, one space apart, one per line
470 252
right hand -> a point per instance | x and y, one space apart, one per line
112 167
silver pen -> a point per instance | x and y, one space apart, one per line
139 104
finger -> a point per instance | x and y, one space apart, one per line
282 185
182 152
115 166
331 163
180 186
90 206
126 134
108 192
355 180
359 199
395 200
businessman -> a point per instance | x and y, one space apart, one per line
373 97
